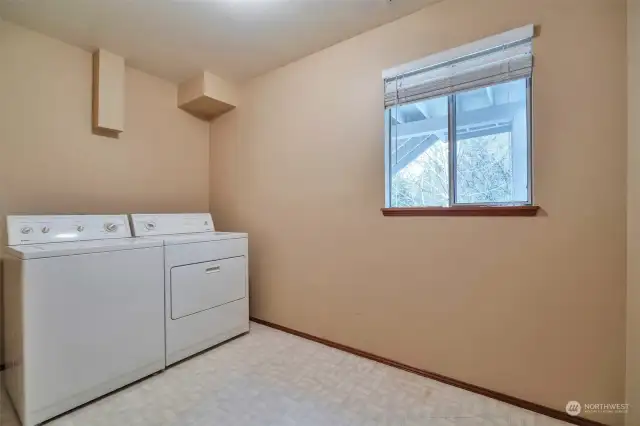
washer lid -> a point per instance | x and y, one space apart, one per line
37 251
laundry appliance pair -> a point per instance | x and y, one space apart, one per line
95 302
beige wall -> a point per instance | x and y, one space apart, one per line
532 307
633 214
50 162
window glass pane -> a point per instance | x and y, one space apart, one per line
492 144
419 154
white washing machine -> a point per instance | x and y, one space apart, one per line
83 306
205 279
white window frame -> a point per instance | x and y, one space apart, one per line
439 58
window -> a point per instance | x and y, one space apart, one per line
458 133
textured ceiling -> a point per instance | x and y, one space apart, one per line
235 39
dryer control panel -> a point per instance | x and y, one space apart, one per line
63 228
170 224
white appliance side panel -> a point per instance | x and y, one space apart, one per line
187 254
202 286
90 319
13 337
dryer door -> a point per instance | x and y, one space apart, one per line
202 286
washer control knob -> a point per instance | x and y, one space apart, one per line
26 230
45 229
110 227
80 228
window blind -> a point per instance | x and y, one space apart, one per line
493 60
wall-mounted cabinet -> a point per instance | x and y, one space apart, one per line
108 92
207 96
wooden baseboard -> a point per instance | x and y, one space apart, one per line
531 406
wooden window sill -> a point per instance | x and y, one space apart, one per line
463 211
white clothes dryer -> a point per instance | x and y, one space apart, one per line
205 279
